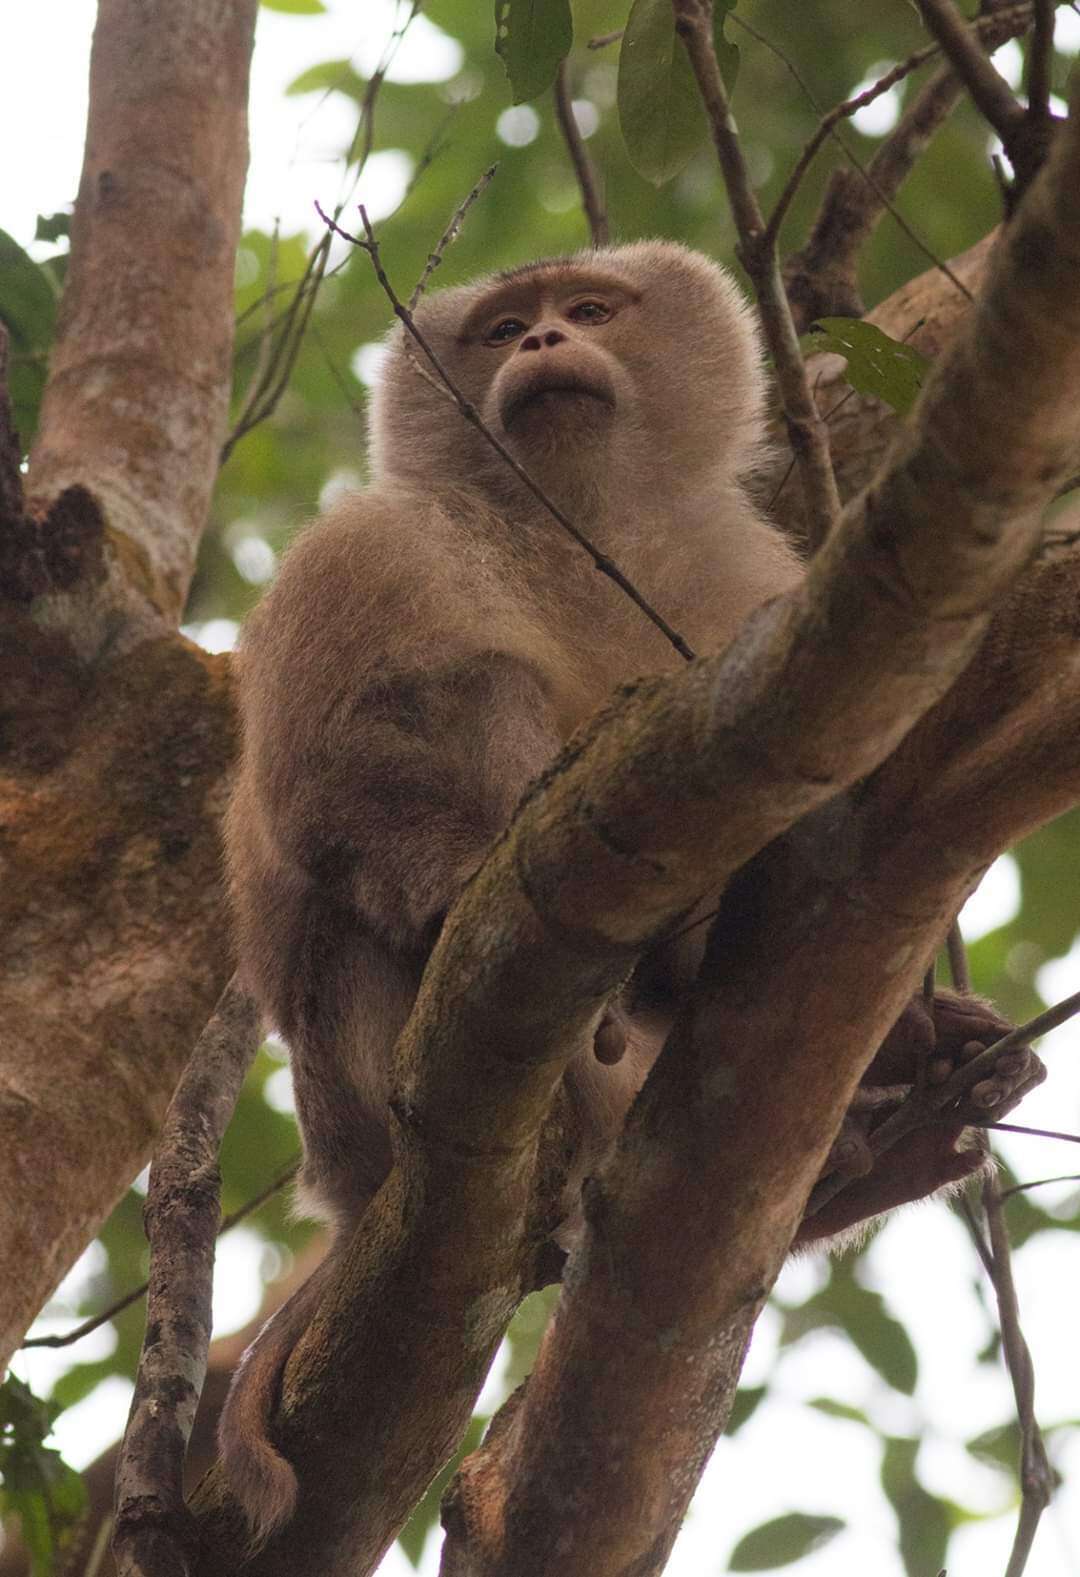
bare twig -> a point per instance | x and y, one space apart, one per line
584 168
1036 1479
228 1222
272 378
601 561
881 192
154 1530
958 959
1039 1182
602 40
806 430
11 490
450 234
1035 1133
991 31
992 95
931 1103
1040 59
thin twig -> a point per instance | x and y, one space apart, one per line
11 489
806 431
1035 1133
992 95
450 234
602 40
990 30
228 1222
883 196
271 381
930 1104
601 561
155 1532
1040 59
584 169
1036 1479
1039 1182
958 959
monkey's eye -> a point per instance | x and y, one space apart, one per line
589 312
504 331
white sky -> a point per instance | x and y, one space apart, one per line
787 1457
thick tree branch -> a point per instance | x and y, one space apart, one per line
117 732
139 376
653 1323
676 787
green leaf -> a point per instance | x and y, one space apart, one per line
48 1496
52 227
531 38
296 7
834 1409
782 1541
659 108
27 298
876 365
331 76
925 1521
660 111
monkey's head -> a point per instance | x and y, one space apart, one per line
591 369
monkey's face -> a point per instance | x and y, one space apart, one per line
591 368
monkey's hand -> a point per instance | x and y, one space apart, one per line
927 1045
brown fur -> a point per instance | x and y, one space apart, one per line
428 647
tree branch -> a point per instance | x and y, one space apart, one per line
713 1144
617 842
154 1531
806 432
584 170
992 95
139 379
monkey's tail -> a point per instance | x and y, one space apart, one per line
257 1474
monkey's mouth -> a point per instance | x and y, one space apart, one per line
548 391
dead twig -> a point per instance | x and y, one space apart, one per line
154 1531
933 1102
228 1222
11 489
992 95
1036 1478
815 256
990 30
806 430
450 234
584 169
601 561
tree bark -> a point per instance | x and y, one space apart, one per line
118 732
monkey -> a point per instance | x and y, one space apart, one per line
427 649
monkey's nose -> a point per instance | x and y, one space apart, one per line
542 337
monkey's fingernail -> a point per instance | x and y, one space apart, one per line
971 1048
1012 1062
938 1070
609 1044
987 1093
